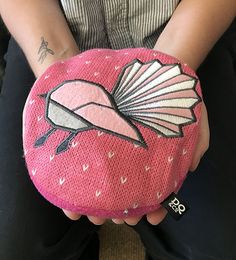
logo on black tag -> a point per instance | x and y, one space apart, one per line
176 207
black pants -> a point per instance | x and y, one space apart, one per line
33 229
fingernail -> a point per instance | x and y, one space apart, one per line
118 221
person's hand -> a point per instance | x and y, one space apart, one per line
153 218
157 216
75 216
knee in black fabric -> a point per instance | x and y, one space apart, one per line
30 227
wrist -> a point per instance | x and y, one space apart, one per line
184 55
58 55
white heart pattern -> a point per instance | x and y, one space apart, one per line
34 171
100 133
31 101
176 184
52 157
126 211
40 118
85 167
147 168
123 179
61 181
98 193
170 159
74 144
135 205
159 195
111 154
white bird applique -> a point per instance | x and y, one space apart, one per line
160 97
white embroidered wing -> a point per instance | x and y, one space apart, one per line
158 96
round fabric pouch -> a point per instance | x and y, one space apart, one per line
111 133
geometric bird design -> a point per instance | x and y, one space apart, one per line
159 97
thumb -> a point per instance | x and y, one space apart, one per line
71 215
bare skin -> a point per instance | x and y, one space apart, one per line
39 19
44 50
189 41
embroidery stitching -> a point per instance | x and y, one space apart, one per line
152 94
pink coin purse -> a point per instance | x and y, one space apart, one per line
111 133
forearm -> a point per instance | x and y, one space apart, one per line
194 28
32 21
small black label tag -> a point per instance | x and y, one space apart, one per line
175 206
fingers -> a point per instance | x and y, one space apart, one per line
203 140
153 218
157 216
132 220
118 221
96 220
71 215
75 216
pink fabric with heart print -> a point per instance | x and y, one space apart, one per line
111 133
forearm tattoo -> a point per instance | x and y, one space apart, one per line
44 50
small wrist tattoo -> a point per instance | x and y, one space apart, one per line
44 50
